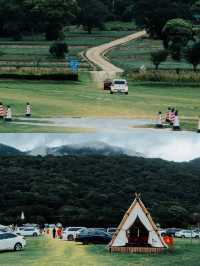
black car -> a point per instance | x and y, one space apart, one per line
87 236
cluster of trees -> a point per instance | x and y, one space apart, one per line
180 42
97 190
18 17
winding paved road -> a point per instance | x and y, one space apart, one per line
96 54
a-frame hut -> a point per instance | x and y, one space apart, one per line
137 233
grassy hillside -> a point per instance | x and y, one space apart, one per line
46 252
71 189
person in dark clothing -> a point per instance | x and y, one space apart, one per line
54 233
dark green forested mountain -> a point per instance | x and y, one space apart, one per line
95 191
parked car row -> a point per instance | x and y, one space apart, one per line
181 233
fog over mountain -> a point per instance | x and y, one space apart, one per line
163 144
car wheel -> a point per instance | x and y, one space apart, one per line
70 238
18 247
126 93
111 92
182 236
197 237
35 234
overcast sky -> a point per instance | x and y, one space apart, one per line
172 146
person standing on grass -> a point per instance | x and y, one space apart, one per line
8 116
168 115
28 110
159 122
2 111
176 124
54 233
198 129
172 116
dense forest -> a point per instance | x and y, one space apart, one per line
19 17
97 190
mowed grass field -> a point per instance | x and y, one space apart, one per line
135 54
87 99
32 52
48 252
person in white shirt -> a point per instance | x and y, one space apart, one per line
159 122
28 110
176 123
8 116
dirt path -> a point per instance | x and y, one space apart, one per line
96 56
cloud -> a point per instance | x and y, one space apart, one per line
167 145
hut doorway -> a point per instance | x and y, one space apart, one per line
138 235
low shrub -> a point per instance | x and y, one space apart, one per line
166 76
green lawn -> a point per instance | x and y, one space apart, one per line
47 252
85 98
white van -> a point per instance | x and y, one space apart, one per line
119 85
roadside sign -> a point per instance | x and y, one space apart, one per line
74 65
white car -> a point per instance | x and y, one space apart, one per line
69 233
11 241
27 231
119 85
187 234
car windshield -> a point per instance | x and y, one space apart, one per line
74 229
119 82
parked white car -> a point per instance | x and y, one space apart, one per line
27 231
11 241
69 233
187 234
119 85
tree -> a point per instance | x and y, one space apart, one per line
158 57
93 14
59 49
153 17
192 55
177 31
55 15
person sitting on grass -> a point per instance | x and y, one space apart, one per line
8 116
28 110
2 111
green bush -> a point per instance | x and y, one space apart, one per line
58 49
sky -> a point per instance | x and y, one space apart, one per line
151 143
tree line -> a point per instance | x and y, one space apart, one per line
97 190
18 17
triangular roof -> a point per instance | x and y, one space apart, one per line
137 210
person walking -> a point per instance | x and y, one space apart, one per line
2 111
54 233
8 116
28 110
